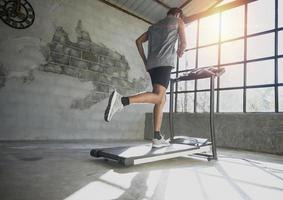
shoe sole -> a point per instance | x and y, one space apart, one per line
110 106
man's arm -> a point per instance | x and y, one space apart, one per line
182 38
143 38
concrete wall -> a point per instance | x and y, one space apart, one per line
261 132
56 75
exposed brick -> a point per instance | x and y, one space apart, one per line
59 58
105 78
50 67
102 87
96 67
106 61
88 55
84 44
75 53
89 75
79 63
56 47
71 71
99 50
89 100
114 55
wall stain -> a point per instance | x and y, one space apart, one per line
3 73
89 61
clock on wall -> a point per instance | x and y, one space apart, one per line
18 14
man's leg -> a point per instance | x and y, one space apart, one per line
157 97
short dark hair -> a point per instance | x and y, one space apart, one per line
174 11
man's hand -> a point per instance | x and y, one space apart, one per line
180 53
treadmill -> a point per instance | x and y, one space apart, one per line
180 145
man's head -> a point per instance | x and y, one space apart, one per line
177 12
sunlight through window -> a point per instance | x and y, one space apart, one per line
209 29
261 46
232 25
261 16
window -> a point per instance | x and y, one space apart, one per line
203 84
260 72
280 43
209 30
185 102
191 32
208 56
188 60
280 70
231 101
233 76
232 51
261 16
261 46
260 100
171 76
258 69
280 89
203 102
186 85
167 103
280 13
232 23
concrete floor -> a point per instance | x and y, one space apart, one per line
47 171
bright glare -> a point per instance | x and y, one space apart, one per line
122 180
96 190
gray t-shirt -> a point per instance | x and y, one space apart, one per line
162 38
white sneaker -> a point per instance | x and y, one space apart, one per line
114 105
160 143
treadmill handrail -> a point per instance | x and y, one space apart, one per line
200 73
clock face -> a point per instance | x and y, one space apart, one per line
16 13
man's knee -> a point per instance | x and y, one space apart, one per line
161 99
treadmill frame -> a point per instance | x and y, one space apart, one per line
211 116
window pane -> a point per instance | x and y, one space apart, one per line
208 56
260 72
280 70
280 99
231 101
280 42
203 84
203 101
261 46
232 51
191 34
171 76
233 76
188 60
260 100
209 29
261 16
232 25
185 102
280 13
186 85
167 103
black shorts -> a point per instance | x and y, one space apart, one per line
160 75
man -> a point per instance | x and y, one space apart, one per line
161 58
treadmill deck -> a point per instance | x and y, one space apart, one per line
132 155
